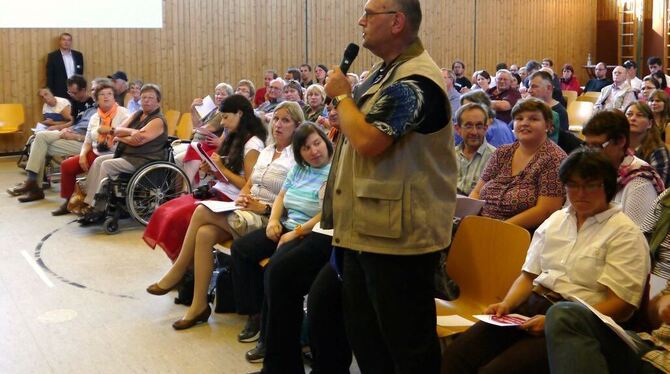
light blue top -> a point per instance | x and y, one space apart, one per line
303 198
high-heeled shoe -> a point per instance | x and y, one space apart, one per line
184 324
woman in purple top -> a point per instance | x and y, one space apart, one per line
520 183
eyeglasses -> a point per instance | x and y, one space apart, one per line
470 126
586 187
598 146
368 13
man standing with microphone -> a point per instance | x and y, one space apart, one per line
391 193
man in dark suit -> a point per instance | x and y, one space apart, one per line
62 64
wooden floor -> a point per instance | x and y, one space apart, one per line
88 312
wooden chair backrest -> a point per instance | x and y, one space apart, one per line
172 117
579 112
185 127
485 258
569 96
12 117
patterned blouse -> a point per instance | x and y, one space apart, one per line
507 195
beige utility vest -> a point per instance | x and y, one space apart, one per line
402 201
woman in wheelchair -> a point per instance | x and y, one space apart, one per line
208 228
236 159
98 141
140 140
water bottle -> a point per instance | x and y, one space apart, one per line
588 60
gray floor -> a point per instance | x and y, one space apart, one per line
85 310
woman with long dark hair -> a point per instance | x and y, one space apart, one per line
235 159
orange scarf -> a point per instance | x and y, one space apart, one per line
106 124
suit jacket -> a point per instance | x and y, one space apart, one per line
56 75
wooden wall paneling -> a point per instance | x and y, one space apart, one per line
606 24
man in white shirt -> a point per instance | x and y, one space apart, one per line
631 75
62 64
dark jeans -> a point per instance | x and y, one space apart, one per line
579 342
327 339
389 312
485 348
247 251
288 278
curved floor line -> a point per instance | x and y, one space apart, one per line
43 265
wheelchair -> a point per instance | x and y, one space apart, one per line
137 195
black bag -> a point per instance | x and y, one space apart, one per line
224 300
185 290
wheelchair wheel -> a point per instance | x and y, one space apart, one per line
153 185
111 226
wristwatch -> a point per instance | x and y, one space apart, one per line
268 209
337 99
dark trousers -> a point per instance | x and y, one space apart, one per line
485 348
390 312
288 277
327 339
246 252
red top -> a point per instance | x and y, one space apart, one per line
572 85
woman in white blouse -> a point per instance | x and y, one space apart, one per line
255 199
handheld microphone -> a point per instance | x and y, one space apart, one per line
349 56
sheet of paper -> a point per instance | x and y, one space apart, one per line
219 206
506 320
609 322
39 127
466 206
453 321
203 156
206 107
317 228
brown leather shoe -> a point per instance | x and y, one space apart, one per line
22 188
184 324
62 210
33 195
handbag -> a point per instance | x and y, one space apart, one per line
76 202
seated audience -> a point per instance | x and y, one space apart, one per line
631 75
541 87
461 82
320 71
482 80
498 132
292 74
120 81
645 139
56 111
600 81
452 94
300 198
208 228
617 95
638 183
503 97
649 84
569 81
141 139
64 142
589 250
208 131
134 103
235 159
246 88
662 81
655 65
306 78
99 140
659 102
316 98
474 152
293 92
274 96
520 182
260 98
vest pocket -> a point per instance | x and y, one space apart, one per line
378 208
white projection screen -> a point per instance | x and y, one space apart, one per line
81 14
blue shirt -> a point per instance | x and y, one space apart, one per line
133 106
302 186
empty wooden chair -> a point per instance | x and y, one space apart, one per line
569 96
172 117
579 112
185 127
485 258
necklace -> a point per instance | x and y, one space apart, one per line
278 151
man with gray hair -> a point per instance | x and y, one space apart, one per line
503 96
617 95
391 188
474 152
